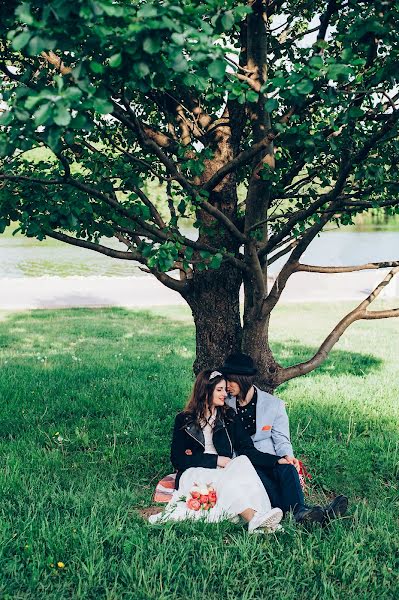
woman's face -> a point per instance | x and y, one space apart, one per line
233 388
219 394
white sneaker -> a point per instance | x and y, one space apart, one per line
267 521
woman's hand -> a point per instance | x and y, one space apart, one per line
283 461
223 461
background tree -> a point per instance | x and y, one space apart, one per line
290 106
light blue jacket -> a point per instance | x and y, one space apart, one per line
272 428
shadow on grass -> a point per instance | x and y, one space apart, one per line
338 363
39 330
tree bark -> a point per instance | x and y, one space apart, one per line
255 343
214 303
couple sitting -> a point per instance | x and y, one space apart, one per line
227 417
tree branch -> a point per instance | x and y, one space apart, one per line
174 284
348 269
358 313
242 159
62 237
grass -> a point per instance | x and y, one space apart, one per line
88 399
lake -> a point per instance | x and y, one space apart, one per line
27 257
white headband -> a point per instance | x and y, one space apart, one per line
215 374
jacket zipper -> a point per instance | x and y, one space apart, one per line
194 438
231 445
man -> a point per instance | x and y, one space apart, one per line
265 419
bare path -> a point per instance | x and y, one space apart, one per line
63 292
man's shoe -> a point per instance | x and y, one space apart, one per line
336 508
314 514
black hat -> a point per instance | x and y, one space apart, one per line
239 364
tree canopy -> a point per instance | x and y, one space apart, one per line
261 123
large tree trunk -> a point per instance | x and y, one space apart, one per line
255 343
214 302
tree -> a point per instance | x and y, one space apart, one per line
262 122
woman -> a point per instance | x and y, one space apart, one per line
205 438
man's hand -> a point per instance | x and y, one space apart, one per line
291 460
223 461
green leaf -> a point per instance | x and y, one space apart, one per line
32 100
228 20
141 69
73 94
304 87
316 62
355 112
102 106
53 138
338 72
146 11
22 115
112 10
181 207
3 224
6 149
39 44
178 38
96 67
180 64
271 104
62 116
189 253
216 261
43 114
252 96
217 69
21 40
24 14
6 118
115 60
152 45
80 122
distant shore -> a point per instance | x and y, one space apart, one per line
97 291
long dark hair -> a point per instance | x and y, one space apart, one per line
200 401
244 381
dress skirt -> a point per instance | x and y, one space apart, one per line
237 486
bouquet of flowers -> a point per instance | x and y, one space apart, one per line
201 497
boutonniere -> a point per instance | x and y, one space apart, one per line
266 427
188 452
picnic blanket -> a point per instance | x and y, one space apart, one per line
166 487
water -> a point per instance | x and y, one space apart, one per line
340 248
25 257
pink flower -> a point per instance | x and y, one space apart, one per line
212 496
204 499
193 504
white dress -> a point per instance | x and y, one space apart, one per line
237 486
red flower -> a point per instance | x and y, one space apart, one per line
193 504
212 496
204 499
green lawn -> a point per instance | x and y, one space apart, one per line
88 399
